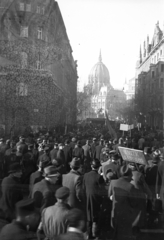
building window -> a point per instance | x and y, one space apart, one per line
40 33
155 59
24 32
157 56
24 60
161 52
39 65
162 67
28 7
152 74
22 89
43 10
38 10
21 6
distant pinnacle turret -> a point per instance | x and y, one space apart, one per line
140 55
100 57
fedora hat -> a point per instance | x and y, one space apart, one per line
15 167
51 171
95 163
125 171
75 162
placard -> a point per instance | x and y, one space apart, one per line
124 127
132 155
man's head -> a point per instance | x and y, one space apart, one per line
62 194
1 140
126 172
15 170
79 143
87 142
95 164
30 147
75 164
22 139
94 140
61 146
46 150
51 174
66 142
56 146
27 215
73 140
76 219
101 141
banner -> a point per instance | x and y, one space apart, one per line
124 127
110 129
132 155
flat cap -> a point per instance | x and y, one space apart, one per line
62 193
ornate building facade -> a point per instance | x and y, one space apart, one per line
129 89
103 96
38 75
149 80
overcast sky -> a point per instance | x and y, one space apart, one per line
117 27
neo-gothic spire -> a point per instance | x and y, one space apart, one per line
100 57
140 57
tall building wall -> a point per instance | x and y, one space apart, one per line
37 69
149 82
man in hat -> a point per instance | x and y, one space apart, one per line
93 148
92 184
22 144
73 180
78 151
87 156
11 191
73 143
122 193
151 170
76 223
10 156
111 164
68 155
43 192
45 157
28 163
104 155
54 218
36 176
53 152
25 224
99 148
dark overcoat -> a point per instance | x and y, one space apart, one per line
160 182
122 192
11 194
73 180
92 185
35 178
68 156
43 193
15 231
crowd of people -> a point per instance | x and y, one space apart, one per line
76 188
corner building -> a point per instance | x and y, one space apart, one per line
149 80
38 75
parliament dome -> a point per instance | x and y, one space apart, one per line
99 76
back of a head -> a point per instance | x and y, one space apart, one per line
125 171
74 217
